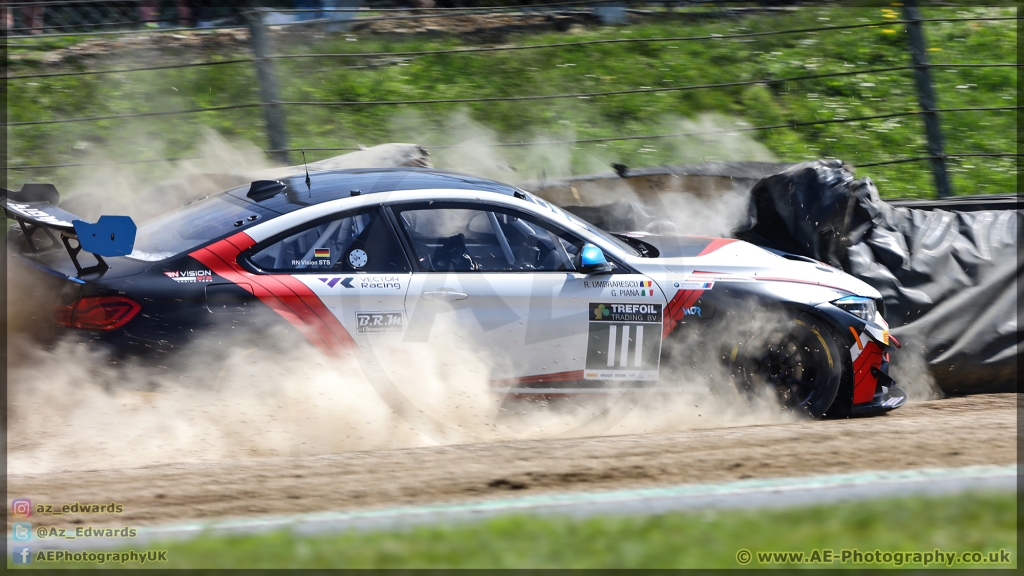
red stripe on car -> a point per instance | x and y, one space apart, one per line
571 376
676 309
287 296
715 245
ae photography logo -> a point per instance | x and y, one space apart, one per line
936 557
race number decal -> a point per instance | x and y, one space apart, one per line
624 342
378 322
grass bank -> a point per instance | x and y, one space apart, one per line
574 69
985 523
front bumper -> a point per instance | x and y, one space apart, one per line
887 395
886 398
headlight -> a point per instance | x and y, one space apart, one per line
859 306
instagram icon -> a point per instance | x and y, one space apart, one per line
21 508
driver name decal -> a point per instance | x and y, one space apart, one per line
624 341
623 288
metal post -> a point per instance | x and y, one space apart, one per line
926 98
272 111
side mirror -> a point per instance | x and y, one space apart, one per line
592 260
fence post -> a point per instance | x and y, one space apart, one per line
273 114
926 98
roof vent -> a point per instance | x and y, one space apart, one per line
263 189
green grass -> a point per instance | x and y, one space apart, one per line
565 70
968 523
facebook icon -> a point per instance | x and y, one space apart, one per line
21 555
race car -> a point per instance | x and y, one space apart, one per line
360 261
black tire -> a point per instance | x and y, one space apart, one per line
800 358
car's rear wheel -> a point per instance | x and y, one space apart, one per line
798 360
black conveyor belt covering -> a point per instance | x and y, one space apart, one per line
948 269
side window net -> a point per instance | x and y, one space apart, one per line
457 239
362 242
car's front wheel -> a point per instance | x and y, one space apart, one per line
798 359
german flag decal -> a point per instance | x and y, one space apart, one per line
321 253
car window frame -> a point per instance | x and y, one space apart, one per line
246 261
464 204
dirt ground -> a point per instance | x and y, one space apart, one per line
951 432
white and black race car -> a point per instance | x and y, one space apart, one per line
371 259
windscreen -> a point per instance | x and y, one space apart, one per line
191 225
587 225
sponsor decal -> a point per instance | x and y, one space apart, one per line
378 322
380 282
322 253
891 401
36 214
325 262
615 312
683 304
189 276
694 285
394 282
624 341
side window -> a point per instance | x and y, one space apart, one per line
359 242
464 238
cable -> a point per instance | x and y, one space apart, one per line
91 25
606 41
121 70
724 36
113 163
920 158
143 31
509 49
61 3
597 94
584 140
411 17
751 129
440 9
136 115
464 100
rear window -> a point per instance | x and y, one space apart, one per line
192 225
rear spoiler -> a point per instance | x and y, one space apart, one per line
34 207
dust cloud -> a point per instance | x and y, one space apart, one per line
722 143
72 408
678 207
219 164
909 368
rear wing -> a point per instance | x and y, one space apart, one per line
35 209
